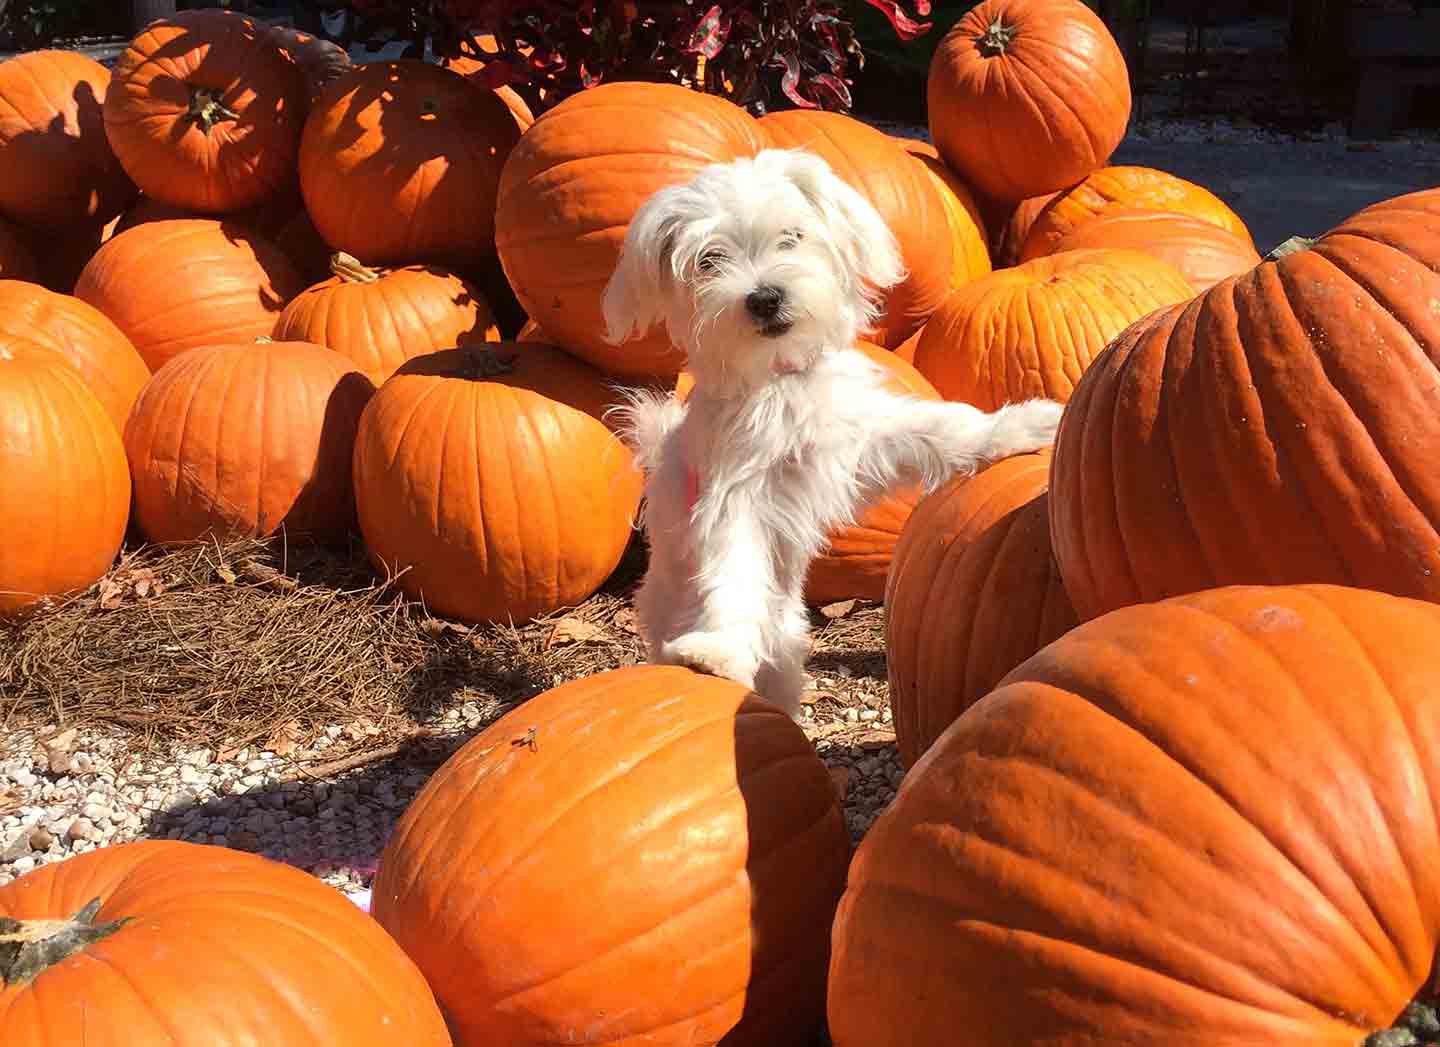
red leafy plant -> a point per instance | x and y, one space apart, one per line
744 50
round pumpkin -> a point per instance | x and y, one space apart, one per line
706 835
1125 187
1012 224
82 336
320 61
1205 821
161 942
241 441
1027 96
572 185
1277 429
973 591
400 163
64 484
486 480
970 254
378 319
903 193
205 112
1031 331
1204 253
56 166
470 68
174 285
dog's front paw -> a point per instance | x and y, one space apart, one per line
1023 427
717 653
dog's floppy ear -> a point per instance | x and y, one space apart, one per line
865 242
634 298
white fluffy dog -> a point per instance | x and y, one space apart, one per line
765 271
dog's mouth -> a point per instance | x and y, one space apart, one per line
776 327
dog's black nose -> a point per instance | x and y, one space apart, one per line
764 302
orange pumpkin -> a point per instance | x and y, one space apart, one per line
400 163
1279 428
205 112
247 441
486 477
1012 224
56 166
470 68
1205 821
709 842
321 62
1032 330
174 285
266 218
378 319
1204 253
974 590
63 482
1027 96
82 336
969 242
162 942
571 187
902 192
1125 187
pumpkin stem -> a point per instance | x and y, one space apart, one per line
997 39
350 269
29 947
207 110
1294 245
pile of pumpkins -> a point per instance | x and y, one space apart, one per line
1169 696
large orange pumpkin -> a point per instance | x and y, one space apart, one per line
902 192
1279 428
1125 187
1203 252
647 856
64 484
970 253
1027 96
247 441
400 163
56 166
571 187
381 318
82 336
1011 225
487 477
205 111
182 944
974 590
174 285
1206 821
1031 331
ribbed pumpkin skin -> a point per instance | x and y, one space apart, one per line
970 253
572 185
1278 429
1130 188
973 591
1031 331
175 285
1035 112
400 163
904 195
1203 822
56 166
222 949
1012 225
245 441
82 336
1204 253
63 479
172 66
382 319
659 868
500 496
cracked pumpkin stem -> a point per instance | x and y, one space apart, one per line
207 110
29 947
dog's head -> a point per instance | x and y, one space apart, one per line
754 266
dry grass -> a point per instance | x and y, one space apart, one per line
255 643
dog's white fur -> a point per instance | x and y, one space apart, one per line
788 432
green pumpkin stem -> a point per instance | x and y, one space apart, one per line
351 269
997 39
207 110
1294 245
29 947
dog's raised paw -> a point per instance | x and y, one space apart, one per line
717 653
1023 427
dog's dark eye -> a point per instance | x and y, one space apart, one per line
789 239
710 260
